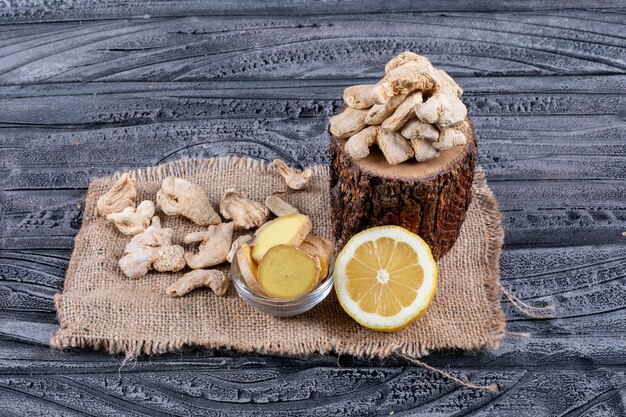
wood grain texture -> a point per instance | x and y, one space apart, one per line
88 88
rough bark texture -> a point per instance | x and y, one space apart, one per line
432 206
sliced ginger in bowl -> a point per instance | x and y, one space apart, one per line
284 261
288 272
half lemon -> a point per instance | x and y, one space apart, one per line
385 277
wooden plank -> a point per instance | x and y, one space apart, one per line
319 47
37 10
286 386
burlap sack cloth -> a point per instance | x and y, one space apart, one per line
101 308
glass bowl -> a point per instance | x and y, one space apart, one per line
282 307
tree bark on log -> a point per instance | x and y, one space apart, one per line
430 202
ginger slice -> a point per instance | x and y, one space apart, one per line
248 268
323 245
199 278
313 251
288 272
284 230
322 248
232 253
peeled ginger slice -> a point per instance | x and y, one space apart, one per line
248 268
288 272
285 230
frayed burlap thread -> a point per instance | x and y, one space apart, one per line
102 309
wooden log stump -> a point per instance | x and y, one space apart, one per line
428 198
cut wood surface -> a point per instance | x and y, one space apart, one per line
89 88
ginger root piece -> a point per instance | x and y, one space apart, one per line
181 197
170 258
322 248
416 129
237 243
348 122
295 179
152 249
199 278
424 150
288 272
413 98
394 146
444 107
358 146
408 77
312 250
279 207
131 221
323 245
285 230
121 195
245 213
403 113
379 112
449 137
248 268
216 242
363 96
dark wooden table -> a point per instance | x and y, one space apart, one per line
88 88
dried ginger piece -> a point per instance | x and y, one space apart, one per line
416 129
295 180
199 278
121 195
444 107
178 196
413 103
152 249
363 96
424 150
403 113
214 247
348 122
379 112
279 207
358 146
237 243
131 221
394 146
245 213
452 136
